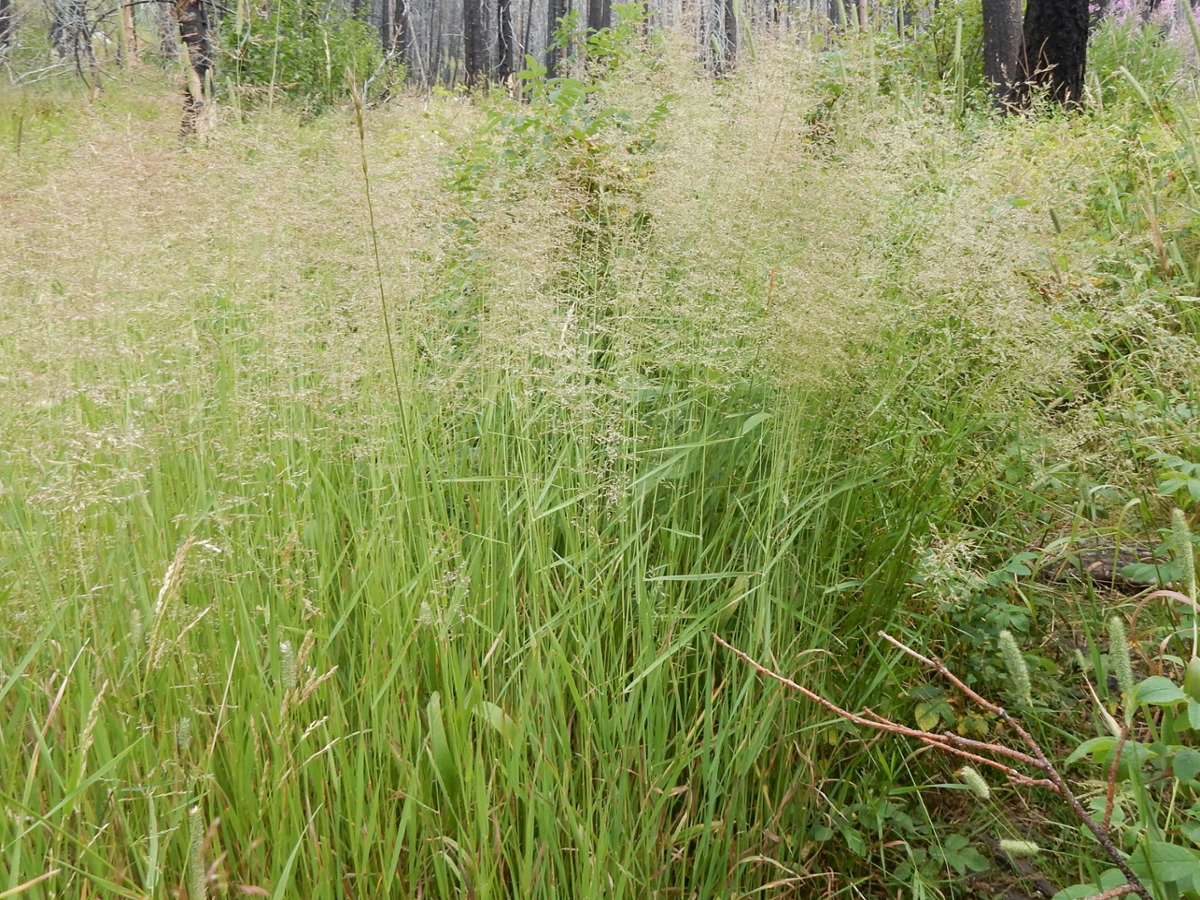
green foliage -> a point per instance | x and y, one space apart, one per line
1125 46
454 640
1155 813
946 56
564 129
299 49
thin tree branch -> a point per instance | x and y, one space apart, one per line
1112 779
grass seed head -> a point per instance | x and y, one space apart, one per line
1018 672
183 736
197 889
287 664
973 780
1020 849
1118 655
1181 541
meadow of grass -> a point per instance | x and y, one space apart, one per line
337 608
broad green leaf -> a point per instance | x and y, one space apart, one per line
956 842
1096 748
854 841
439 746
1159 861
1159 691
1186 763
753 422
1077 892
1111 878
497 718
1191 831
932 712
1152 573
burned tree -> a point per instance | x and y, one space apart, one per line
402 33
599 15
730 45
197 39
1055 54
6 24
508 40
555 54
1002 41
474 41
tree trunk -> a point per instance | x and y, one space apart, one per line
193 30
730 45
1055 54
6 24
403 34
599 14
386 36
555 10
508 40
474 45
1002 39
129 30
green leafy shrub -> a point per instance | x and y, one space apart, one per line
948 54
301 49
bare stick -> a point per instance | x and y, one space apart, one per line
1112 778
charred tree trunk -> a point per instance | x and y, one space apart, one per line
194 32
1002 38
555 10
508 41
386 36
402 40
474 42
730 43
599 15
6 24
1055 54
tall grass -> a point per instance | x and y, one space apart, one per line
273 627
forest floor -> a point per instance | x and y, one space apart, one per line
357 549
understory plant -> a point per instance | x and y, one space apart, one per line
298 49
1144 822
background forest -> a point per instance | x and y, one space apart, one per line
395 463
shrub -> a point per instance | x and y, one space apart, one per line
300 49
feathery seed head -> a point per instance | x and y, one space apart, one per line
183 736
1185 555
1018 672
1020 849
973 780
197 890
287 663
1118 655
